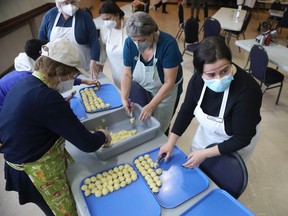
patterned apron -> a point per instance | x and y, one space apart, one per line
48 176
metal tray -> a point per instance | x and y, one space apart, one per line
119 120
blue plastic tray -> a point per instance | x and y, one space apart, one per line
78 108
178 183
109 94
134 199
218 203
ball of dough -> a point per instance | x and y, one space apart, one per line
99 176
155 190
98 193
110 188
159 171
87 181
150 170
158 183
93 179
127 175
149 160
117 186
126 166
99 187
146 156
140 158
121 178
105 191
84 187
123 184
134 177
128 181
91 186
116 181
87 192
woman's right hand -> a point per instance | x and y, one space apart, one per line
108 140
166 148
128 107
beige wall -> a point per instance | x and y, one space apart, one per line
13 42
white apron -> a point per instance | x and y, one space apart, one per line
114 51
148 78
212 130
69 33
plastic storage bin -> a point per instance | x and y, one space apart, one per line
119 120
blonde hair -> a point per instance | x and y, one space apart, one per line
53 68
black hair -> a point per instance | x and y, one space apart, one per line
210 50
111 7
33 48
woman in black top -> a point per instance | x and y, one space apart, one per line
226 102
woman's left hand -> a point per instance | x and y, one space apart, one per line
195 159
146 112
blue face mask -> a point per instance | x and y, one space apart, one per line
219 85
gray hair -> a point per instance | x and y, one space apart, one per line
140 24
59 2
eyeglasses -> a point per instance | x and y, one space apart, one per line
221 71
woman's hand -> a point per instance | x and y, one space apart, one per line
108 138
95 69
146 112
128 107
91 82
166 148
195 159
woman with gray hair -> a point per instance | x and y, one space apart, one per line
153 60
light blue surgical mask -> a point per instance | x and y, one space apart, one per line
219 85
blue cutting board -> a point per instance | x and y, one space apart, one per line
134 199
178 183
109 94
218 203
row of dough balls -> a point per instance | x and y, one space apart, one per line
91 101
109 181
123 134
145 166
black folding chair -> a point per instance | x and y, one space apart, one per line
191 39
229 33
228 172
270 77
211 27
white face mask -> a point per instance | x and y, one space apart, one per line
64 86
69 9
110 24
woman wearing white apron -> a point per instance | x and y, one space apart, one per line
226 102
153 60
68 21
112 38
